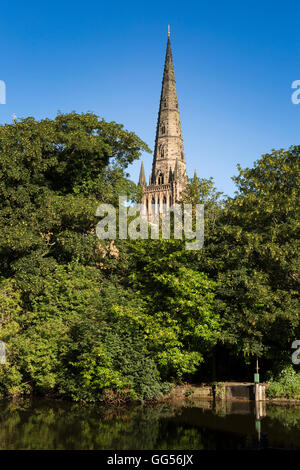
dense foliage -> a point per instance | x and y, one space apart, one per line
97 319
254 253
285 385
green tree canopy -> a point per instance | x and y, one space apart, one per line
254 255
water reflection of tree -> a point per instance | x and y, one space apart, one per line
60 425
184 425
288 416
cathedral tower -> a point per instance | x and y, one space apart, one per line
168 177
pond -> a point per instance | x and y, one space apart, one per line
48 424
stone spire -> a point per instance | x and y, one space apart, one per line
168 142
168 178
142 179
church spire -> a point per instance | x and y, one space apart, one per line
142 179
168 141
168 177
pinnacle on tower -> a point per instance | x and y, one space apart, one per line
176 171
142 179
195 175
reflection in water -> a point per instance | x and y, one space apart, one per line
44 424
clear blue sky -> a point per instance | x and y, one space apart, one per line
234 65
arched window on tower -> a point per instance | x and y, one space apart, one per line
163 129
182 156
162 151
161 179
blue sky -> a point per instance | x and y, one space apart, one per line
234 66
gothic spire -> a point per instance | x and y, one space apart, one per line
168 141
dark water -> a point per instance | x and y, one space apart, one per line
43 424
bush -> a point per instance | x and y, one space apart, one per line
285 385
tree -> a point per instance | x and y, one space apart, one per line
182 323
254 255
54 174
